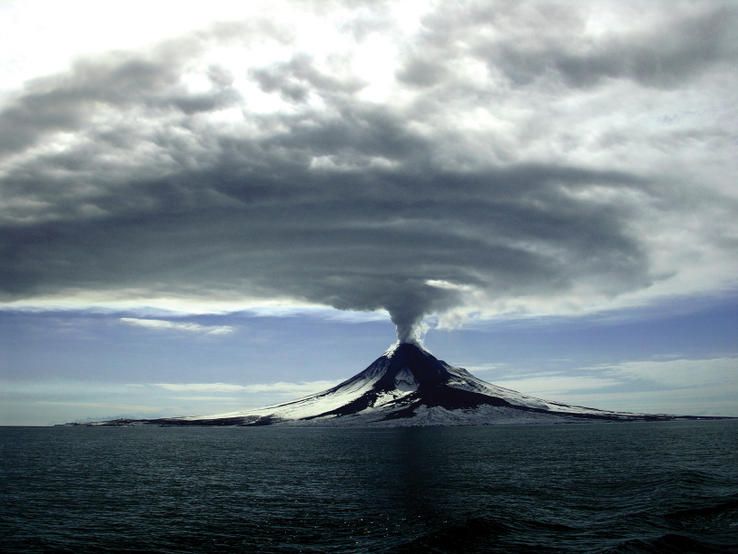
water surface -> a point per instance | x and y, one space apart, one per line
631 487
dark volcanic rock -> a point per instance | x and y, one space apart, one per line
407 385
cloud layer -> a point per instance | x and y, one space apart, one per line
280 387
678 385
186 326
481 159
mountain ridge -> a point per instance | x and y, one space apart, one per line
408 386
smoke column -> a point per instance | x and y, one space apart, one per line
412 302
407 325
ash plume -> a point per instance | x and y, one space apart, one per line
408 308
117 179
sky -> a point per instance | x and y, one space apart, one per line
213 206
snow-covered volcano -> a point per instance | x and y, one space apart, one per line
407 385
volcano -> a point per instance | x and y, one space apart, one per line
408 386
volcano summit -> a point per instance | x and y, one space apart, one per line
408 386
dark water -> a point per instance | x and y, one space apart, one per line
635 487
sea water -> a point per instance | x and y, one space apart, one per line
626 487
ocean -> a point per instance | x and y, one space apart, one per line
621 487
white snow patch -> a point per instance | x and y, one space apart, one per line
314 405
405 381
464 380
391 349
436 416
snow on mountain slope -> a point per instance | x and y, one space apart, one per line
409 386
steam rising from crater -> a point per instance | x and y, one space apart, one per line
407 324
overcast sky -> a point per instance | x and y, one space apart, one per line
209 203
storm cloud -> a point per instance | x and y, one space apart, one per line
484 177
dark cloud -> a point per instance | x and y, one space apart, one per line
66 103
121 80
659 57
258 219
348 204
422 72
548 42
297 77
